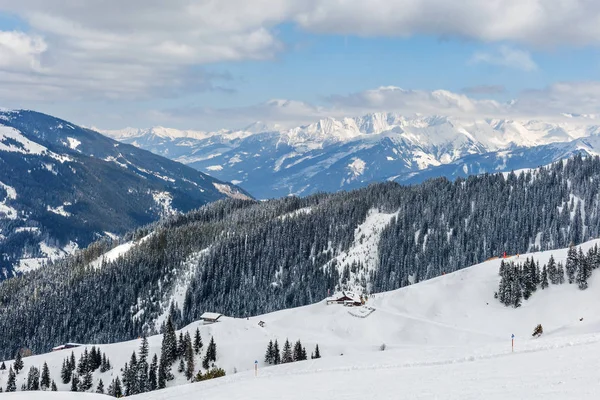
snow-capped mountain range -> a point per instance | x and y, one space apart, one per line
63 187
335 154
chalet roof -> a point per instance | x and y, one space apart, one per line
211 316
343 295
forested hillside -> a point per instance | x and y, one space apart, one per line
242 257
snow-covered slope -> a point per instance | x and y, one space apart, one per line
333 154
448 325
64 186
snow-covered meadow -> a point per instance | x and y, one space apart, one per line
446 338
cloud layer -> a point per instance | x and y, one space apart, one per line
551 103
146 48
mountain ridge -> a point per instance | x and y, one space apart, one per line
63 187
322 156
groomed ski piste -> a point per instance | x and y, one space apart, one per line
446 338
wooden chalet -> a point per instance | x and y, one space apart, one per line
210 317
346 298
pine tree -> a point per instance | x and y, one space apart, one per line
100 388
87 382
297 354
584 271
111 389
276 354
206 362
11 383
74 383
18 364
104 364
169 345
560 273
33 379
189 356
53 386
304 356
45 382
571 264
544 283
181 366
152 377
118 389
181 346
317 352
65 372
142 368
197 341
269 356
211 351
286 356
552 271
3 366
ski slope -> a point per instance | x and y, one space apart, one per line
445 338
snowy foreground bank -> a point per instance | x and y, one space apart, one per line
447 338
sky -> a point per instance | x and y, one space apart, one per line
213 64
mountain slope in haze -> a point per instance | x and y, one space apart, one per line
441 323
62 187
244 257
334 154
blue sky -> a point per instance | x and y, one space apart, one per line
209 65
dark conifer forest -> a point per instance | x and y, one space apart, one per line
243 257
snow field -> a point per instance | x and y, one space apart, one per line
445 338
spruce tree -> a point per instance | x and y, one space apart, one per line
304 356
169 344
142 368
3 366
181 367
111 389
317 352
18 364
269 356
583 271
211 351
162 375
87 382
74 383
53 386
560 274
65 372
286 355
544 283
100 388
45 382
11 383
552 271
297 354
197 341
206 361
276 353
181 346
189 358
33 379
152 375
571 264
118 389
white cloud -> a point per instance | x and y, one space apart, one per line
20 51
548 103
506 56
535 22
147 48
